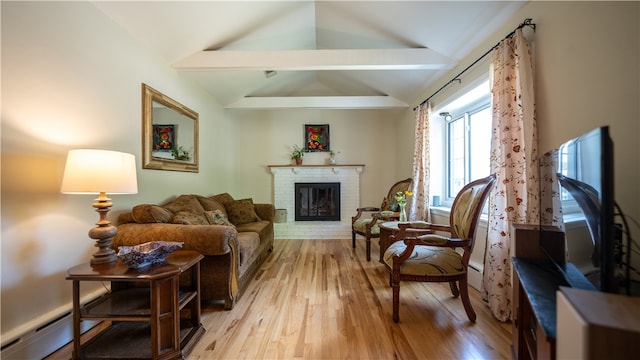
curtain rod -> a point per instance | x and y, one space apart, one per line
526 22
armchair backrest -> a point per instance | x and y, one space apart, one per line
467 207
389 202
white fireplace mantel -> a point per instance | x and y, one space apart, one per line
284 179
335 168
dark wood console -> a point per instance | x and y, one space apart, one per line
536 280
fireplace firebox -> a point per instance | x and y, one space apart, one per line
317 201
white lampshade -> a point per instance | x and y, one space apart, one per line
90 171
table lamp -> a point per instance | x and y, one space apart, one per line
100 172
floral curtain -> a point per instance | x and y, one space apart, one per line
550 202
420 188
514 199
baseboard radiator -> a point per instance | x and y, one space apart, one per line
44 335
474 276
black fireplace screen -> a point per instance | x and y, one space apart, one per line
317 201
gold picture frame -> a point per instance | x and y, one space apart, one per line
179 151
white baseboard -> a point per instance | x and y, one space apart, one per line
45 334
42 342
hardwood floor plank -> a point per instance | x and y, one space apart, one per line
320 299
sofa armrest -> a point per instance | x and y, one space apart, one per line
205 239
265 211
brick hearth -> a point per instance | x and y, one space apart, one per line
284 179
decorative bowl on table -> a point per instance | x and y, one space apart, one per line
154 252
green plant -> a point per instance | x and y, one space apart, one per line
333 153
180 154
297 152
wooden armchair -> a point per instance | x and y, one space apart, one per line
433 258
368 226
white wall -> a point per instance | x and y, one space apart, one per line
71 78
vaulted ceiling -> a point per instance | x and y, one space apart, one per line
312 54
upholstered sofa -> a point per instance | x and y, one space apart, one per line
235 237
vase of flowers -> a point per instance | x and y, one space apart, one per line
296 154
401 200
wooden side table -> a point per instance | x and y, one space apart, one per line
144 307
389 229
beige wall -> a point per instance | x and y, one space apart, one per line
361 136
71 78
589 76
587 57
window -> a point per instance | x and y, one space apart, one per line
464 138
469 141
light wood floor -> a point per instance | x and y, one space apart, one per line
320 299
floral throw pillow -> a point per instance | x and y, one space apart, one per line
216 217
241 212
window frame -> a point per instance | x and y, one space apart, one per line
466 113
439 139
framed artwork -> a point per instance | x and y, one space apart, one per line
316 138
163 137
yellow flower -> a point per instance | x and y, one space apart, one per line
401 196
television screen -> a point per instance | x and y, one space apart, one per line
577 196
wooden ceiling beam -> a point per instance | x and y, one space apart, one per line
321 59
318 102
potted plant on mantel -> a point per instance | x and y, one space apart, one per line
297 154
332 156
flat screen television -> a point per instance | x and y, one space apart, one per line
577 195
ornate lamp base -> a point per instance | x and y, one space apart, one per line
103 232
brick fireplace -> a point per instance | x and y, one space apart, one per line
284 195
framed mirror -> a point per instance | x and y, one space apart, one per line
169 133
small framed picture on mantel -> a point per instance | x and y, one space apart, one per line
316 138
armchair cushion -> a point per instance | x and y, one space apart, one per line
426 260
432 239
360 226
241 211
